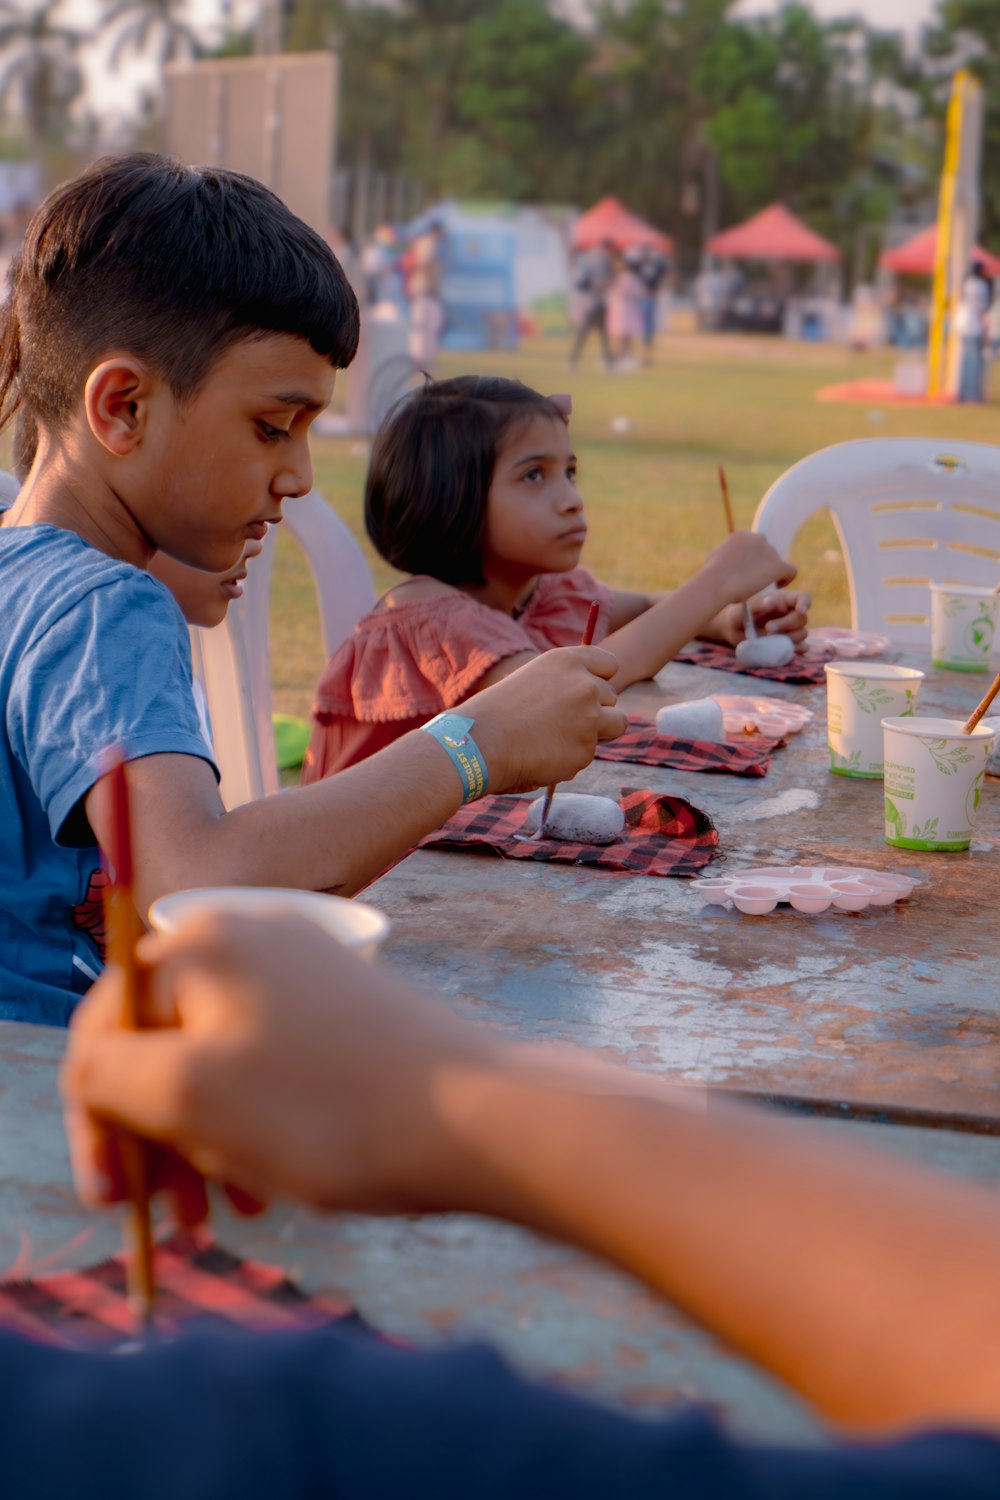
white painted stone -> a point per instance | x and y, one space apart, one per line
701 719
576 818
766 651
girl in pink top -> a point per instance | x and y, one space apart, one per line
472 490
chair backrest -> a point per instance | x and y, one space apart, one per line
233 661
909 512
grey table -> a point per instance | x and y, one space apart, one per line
883 1009
891 1010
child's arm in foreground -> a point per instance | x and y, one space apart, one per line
652 631
537 727
867 1284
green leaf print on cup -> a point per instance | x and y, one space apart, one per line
910 707
850 762
972 800
870 698
925 831
953 607
894 819
978 635
947 756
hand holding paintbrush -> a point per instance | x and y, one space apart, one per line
124 929
755 651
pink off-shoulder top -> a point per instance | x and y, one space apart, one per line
402 665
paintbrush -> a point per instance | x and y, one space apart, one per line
984 703
724 487
588 638
123 930
751 629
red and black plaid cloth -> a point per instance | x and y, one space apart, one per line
724 659
662 835
642 743
196 1280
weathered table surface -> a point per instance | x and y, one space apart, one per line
892 1008
554 1311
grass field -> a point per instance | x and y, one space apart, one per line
651 492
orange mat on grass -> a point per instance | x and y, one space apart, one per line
879 393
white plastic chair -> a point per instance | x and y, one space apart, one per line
233 661
909 512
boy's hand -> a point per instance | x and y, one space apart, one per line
543 722
746 563
290 1066
779 612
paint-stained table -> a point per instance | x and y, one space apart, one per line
892 1013
554 1311
891 1009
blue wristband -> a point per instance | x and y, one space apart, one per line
452 733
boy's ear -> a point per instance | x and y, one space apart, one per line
117 398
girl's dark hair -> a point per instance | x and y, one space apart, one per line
172 264
431 467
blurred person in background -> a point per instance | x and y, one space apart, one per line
593 273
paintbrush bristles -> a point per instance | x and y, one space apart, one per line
986 700
724 487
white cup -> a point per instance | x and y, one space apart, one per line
353 923
933 781
964 621
859 695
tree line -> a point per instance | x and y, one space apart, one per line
694 115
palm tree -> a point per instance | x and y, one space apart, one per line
38 67
150 28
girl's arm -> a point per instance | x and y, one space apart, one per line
788 609
744 564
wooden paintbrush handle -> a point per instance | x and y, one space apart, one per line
977 713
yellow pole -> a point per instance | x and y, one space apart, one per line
942 295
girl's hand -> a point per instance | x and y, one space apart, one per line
780 612
746 563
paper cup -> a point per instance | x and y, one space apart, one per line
352 923
858 696
963 624
933 779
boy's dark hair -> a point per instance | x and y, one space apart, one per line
173 264
431 467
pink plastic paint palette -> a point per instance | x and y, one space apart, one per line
808 888
833 640
770 716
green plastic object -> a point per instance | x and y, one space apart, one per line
291 737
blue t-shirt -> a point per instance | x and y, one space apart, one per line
93 653
337 1415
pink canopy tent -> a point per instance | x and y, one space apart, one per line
611 220
773 234
917 255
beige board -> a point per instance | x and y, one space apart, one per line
273 117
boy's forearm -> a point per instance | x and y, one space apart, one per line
339 833
866 1284
335 835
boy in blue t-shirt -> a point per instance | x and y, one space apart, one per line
171 334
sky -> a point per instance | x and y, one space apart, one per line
899 15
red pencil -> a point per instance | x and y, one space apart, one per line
123 930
